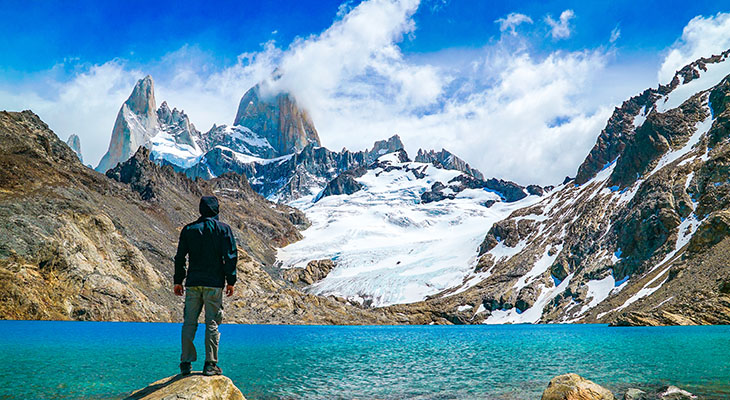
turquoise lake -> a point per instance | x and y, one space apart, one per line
103 360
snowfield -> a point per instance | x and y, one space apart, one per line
388 246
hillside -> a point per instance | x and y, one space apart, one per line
76 244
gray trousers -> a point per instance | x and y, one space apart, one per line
197 297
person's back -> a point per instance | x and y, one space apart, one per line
211 254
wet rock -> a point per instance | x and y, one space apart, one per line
575 387
675 393
635 394
192 387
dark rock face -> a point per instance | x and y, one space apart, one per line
619 129
344 183
381 147
286 178
277 118
447 160
508 191
657 135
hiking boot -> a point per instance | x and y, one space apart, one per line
185 368
211 369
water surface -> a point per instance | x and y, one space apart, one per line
102 360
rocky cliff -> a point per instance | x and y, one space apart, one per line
76 244
277 118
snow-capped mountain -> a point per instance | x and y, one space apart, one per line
169 134
639 237
388 243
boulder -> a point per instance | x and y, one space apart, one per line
675 393
635 394
195 386
575 387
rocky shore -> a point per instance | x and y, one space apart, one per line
575 387
562 387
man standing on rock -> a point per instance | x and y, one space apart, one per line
212 255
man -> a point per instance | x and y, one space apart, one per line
212 256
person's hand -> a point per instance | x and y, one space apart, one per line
178 289
229 290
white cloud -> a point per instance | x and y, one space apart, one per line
702 37
615 34
511 21
560 29
509 113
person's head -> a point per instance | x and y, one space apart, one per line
208 206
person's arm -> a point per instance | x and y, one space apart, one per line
230 259
180 260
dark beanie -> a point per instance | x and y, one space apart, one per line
208 206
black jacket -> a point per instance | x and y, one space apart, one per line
210 247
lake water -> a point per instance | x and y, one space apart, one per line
102 360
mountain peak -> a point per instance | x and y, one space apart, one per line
74 142
381 147
142 99
277 118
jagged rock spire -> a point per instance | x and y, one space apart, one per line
277 118
74 142
136 123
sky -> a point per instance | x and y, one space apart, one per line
519 89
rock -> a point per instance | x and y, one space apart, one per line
447 160
635 394
74 143
136 123
675 393
277 118
315 270
344 183
575 387
381 147
192 387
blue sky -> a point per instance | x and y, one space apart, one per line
457 74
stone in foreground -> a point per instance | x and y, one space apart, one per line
575 387
195 386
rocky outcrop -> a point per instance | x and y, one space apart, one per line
344 183
575 387
315 270
381 147
177 124
447 160
192 387
620 128
278 118
136 123
74 142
